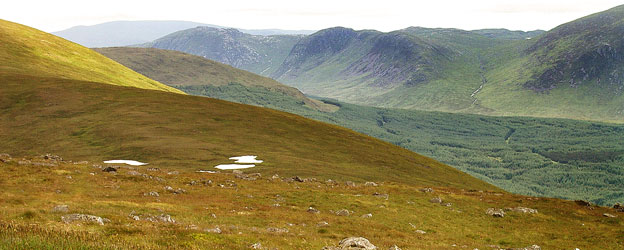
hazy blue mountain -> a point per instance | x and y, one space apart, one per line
124 33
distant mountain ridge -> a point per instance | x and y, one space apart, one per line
573 71
254 53
124 33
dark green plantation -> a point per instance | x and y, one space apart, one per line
534 156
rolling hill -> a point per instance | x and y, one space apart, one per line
29 52
125 33
191 73
254 53
521 155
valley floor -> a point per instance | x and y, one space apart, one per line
44 203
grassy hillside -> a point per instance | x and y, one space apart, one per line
193 73
531 156
255 53
541 157
30 52
222 211
99 122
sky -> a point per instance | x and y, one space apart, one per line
383 15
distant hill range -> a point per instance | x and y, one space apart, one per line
124 33
573 71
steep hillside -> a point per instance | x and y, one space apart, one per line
583 51
572 71
258 54
196 74
29 52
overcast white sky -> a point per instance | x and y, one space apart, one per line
384 15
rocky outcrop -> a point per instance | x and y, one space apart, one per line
352 243
70 218
495 212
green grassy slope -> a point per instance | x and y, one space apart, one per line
27 51
189 72
542 157
99 122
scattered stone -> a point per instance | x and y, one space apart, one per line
161 218
85 218
322 224
350 184
356 243
256 246
447 204
52 157
24 162
297 179
248 177
276 205
153 169
313 210
395 247
436 200
174 191
173 173
533 247
420 231
152 193
215 230
275 177
608 215
276 230
367 216
109 169
525 210
370 184
426 190
5 157
495 212
60 209
383 196
343 212
330 182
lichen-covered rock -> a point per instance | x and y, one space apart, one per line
84 218
356 243
313 210
495 212
436 200
525 210
343 212
60 209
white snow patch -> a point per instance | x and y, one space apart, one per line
129 162
206 171
234 166
246 159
